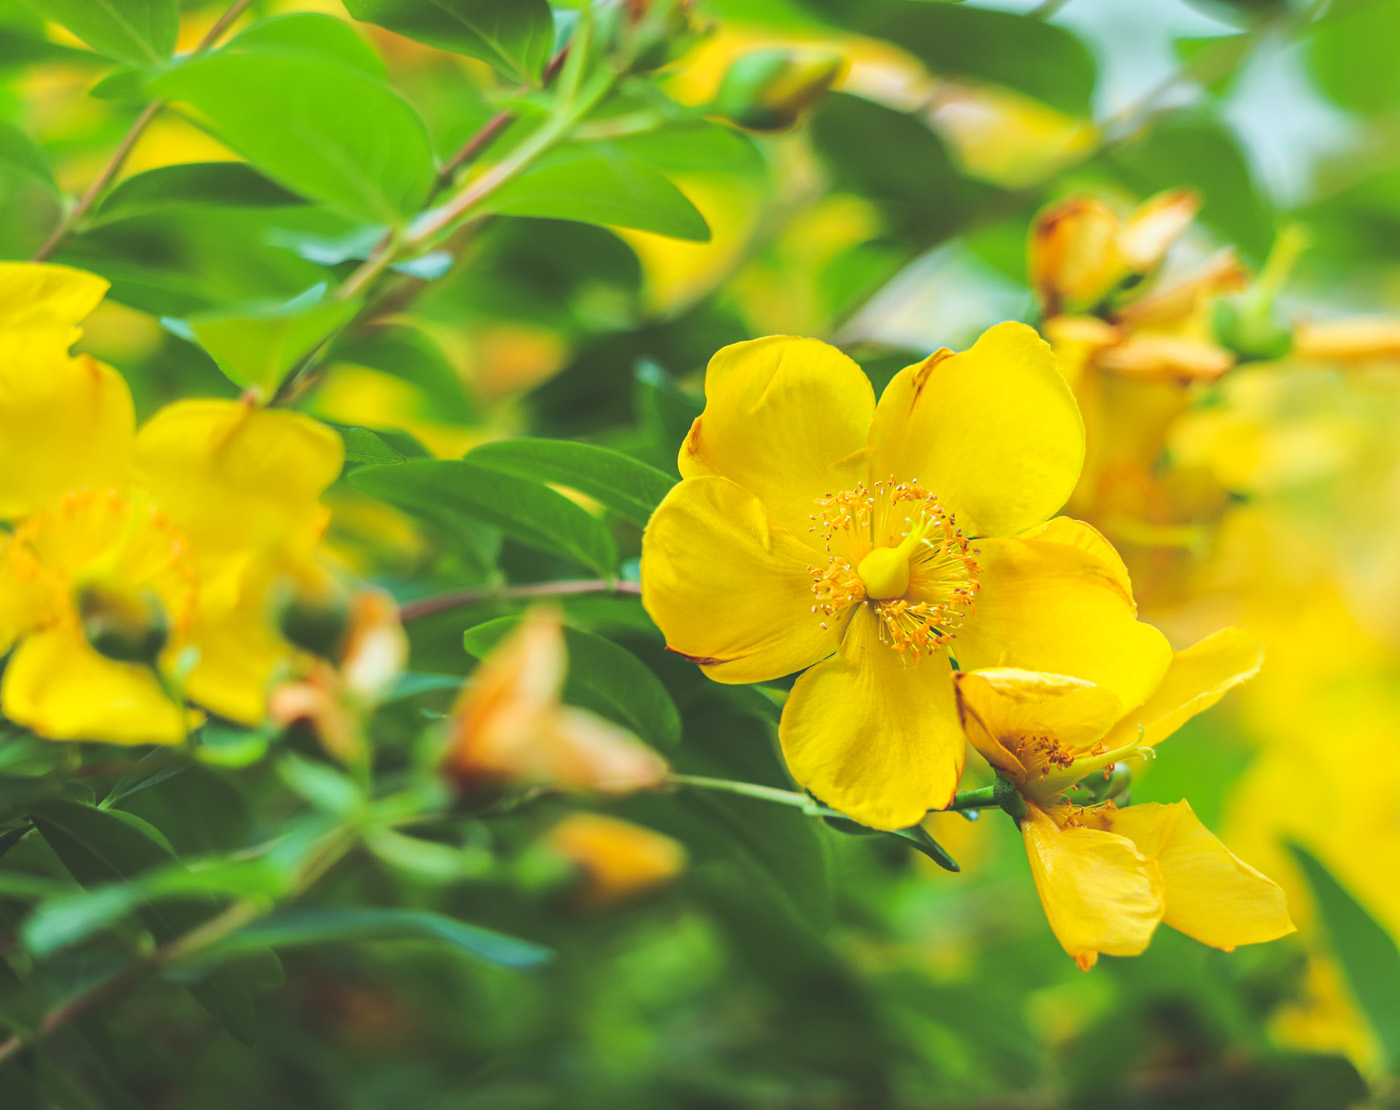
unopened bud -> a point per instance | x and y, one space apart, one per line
1075 258
770 89
127 625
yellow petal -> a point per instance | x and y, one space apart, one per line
617 858
1005 711
729 589
1099 892
1197 678
61 688
1211 894
240 649
788 419
236 477
65 423
993 432
1058 601
871 737
1155 226
1074 253
45 297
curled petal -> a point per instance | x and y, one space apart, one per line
1211 894
1099 892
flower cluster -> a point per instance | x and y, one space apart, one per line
904 556
143 568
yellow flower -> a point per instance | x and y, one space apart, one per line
509 725
137 555
872 543
1108 876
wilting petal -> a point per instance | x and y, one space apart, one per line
49 298
729 589
1057 600
65 423
872 737
1002 708
1197 678
1099 892
236 477
788 419
1155 226
61 688
993 432
1211 894
1074 253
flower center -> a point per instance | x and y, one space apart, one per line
100 551
896 549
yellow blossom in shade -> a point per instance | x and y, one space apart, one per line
1108 876
617 860
509 725
873 543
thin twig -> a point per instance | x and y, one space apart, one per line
458 599
114 164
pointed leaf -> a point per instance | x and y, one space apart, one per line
629 488
193 185
136 32
514 36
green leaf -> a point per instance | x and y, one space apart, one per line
256 351
136 32
410 685
303 925
691 146
514 36
664 409
1040 59
603 677
324 36
105 846
1200 151
1368 954
363 446
1352 58
1214 60
193 185
22 157
527 511
322 130
896 160
593 186
629 488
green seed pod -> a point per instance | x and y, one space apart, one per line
129 626
770 89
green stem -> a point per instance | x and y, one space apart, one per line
458 599
983 798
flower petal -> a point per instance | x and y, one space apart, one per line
1211 894
788 419
1099 892
1002 707
994 431
1057 600
236 477
1197 678
65 423
730 590
871 737
46 297
61 688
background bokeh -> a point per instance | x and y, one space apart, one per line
788 963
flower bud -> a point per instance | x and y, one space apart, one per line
770 89
616 861
127 625
1075 259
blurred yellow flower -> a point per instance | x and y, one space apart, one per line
1108 876
137 557
815 529
509 725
